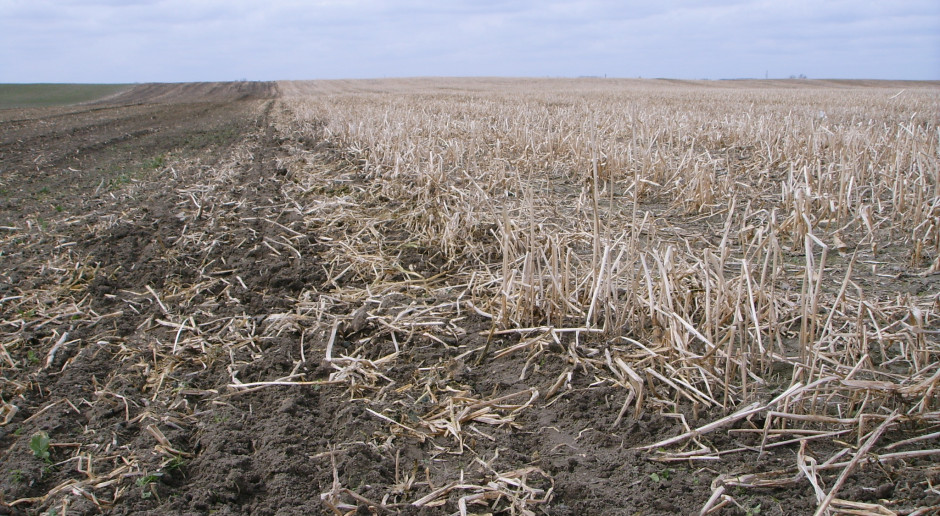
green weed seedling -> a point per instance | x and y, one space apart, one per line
156 162
39 444
119 180
148 479
144 484
175 463
17 476
662 476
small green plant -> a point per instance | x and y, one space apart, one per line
661 476
18 432
156 162
752 511
58 208
17 476
180 387
175 463
148 479
119 181
32 357
39 444
144 484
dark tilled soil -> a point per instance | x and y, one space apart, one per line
175 93
118 235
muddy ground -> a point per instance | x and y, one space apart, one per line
151 260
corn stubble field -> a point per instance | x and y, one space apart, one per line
472 296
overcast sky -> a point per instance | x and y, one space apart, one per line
200 40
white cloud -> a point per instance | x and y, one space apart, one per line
174 40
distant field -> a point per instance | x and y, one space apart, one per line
41 95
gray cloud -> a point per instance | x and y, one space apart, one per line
182 40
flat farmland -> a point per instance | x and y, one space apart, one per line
46 95
473 296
